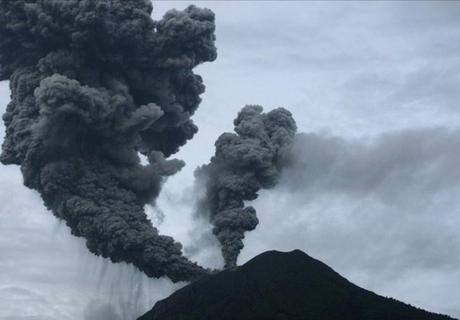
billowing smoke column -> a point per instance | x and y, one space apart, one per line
244 163
93 83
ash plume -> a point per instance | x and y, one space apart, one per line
95 82
244 162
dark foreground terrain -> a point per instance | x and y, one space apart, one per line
281 286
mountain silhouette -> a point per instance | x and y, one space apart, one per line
281 286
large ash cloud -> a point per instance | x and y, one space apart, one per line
244 162
93 83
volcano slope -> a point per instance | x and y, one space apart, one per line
281 286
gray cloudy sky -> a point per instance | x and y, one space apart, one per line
373 191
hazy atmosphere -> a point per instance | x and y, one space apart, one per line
372 189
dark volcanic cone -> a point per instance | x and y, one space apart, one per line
284 286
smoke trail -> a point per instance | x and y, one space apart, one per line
93 83
98 310
243 163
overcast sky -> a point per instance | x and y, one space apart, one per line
373 190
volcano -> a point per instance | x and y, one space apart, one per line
281 286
